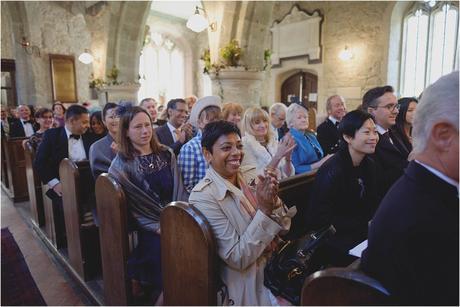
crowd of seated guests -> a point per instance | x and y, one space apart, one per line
228 168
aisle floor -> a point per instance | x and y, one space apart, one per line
55 285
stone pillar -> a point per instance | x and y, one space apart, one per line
115 93
238 85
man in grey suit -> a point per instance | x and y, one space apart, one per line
103 151
176 132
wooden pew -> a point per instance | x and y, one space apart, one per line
343 287
34 187
295 191
16 184
113 232
77 198
188 257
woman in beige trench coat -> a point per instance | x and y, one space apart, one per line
245 214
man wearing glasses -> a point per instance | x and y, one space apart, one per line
383 105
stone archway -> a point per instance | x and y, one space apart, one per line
125 39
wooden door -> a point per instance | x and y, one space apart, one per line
8 86
302 84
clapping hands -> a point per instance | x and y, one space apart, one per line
267 191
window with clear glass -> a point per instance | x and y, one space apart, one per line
161 68
430 45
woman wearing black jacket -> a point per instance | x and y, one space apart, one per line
346 191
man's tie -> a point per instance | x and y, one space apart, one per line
177 133
75 136
337 124
387 137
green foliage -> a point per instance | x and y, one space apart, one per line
267 57
231 53
113 75
96 82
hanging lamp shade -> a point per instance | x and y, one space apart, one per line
197 22
86 57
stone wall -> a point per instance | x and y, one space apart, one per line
7 43
55 29
363 27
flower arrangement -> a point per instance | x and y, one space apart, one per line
98 83
231 53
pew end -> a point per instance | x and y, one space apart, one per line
343 287
188 257
113 233
34 187
77 198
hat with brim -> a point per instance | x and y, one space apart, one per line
200 105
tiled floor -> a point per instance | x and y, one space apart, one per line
53 282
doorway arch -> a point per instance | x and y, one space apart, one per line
302 86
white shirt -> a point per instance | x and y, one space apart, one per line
76 147
28 129
382 131
76 153
333 119
439 174
172 129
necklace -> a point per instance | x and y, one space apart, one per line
151 163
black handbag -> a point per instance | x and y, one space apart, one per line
292 262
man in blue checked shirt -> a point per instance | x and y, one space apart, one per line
191 160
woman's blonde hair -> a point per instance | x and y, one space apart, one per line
231 107
253 115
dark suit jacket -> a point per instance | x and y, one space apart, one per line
17 130
414 239
165 137
328 136
346 197
390 162
52 150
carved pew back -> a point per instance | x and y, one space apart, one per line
15 183
113 232
296 191
77 199
344 287
34 187
188 257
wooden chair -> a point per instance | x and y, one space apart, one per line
15 185
77 198
188 257
113 233
34 187
344 287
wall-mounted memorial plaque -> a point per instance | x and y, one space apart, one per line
297 34
63 78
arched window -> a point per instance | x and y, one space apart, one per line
430 45
161 68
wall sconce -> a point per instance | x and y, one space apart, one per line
198 23
345 54
28 47
86 57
